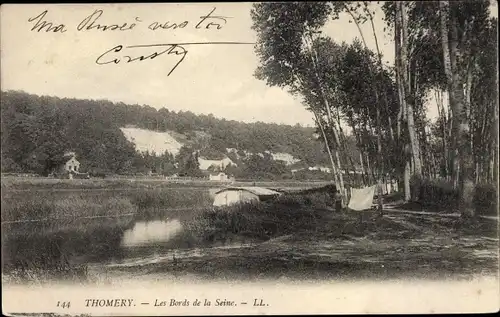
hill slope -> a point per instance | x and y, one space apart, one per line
152 141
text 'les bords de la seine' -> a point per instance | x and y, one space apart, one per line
110 56
122 302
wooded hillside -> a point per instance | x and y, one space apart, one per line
37 130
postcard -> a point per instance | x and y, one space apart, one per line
254 158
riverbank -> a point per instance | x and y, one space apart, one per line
155 232
341 247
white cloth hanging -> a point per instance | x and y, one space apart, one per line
361 198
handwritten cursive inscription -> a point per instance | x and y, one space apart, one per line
121 54
210 24
207 21
90 23
168 49
42 25
175 49
93 22
165 26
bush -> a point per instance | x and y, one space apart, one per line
435 193
284 215
485 199
440 194
317 200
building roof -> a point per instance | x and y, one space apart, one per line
259 191
67 160
206 163
72 159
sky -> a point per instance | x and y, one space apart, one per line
216 79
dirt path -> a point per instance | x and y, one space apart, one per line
455 215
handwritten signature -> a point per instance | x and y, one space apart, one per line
175 49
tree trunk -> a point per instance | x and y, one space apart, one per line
327 145
361 150
337 158
347 156
476 172
407 181
403 167
369 171
381 65
468 118
460 144
494 135
362 167
325 138
369 131
380 160
444 129
380 203
329 117
493 175
444 8
426 153
415 148
462 129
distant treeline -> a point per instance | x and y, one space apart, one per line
37 130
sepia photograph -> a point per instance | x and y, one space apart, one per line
249 158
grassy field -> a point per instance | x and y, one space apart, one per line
20 206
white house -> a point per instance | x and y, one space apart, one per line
70 164
220 177
221 164
234 195
70 167
320 168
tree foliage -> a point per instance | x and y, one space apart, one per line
348 83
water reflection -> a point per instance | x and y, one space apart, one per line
148 232
71 242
